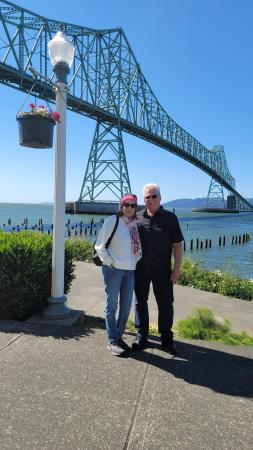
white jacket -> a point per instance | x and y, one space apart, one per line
119 251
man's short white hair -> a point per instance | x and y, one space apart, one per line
154 186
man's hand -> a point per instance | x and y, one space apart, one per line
175 274
177 252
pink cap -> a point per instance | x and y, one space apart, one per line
128 198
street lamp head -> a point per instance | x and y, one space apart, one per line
61 50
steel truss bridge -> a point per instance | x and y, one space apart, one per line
105 83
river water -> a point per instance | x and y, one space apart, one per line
237 258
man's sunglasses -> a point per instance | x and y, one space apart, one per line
130 205
148 197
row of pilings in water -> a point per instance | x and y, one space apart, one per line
81 229
207 243
90 230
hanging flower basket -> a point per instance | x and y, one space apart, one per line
36 128
36 131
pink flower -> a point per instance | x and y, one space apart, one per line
32 106
56 116
42 106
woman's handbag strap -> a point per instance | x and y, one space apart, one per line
113 232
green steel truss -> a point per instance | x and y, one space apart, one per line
215 192
215 195
106 83
106 168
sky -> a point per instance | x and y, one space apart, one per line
197 57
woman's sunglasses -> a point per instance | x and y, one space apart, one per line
130 205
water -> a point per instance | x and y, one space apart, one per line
237 259
17 212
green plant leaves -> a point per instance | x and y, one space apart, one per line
194 275
25 273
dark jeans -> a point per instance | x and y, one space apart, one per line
163 290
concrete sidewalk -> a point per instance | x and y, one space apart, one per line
61 388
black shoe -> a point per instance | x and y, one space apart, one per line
140 343
170 347
123 344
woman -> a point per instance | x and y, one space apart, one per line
119 262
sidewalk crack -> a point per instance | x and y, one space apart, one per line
137 403
11 342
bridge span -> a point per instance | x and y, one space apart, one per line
106 83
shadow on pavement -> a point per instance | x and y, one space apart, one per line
84 327
215 369
218 370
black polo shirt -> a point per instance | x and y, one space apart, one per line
157 233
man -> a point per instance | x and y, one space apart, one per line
161 237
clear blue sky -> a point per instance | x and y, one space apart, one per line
197 58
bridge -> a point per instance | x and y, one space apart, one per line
106 83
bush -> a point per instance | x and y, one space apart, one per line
25 273
194 275
203 325
81 249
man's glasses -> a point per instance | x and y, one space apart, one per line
130 205
148 197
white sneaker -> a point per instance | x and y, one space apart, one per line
115 349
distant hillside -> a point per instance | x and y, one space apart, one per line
194 203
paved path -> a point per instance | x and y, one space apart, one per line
87 293
61 389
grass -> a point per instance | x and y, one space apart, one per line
153 330
203 325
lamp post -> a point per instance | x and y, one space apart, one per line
61 53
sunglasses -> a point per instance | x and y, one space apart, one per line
148 197
130 205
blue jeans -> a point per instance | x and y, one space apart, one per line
119 283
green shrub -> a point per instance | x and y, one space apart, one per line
202 324
25 273
81 249
194 275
